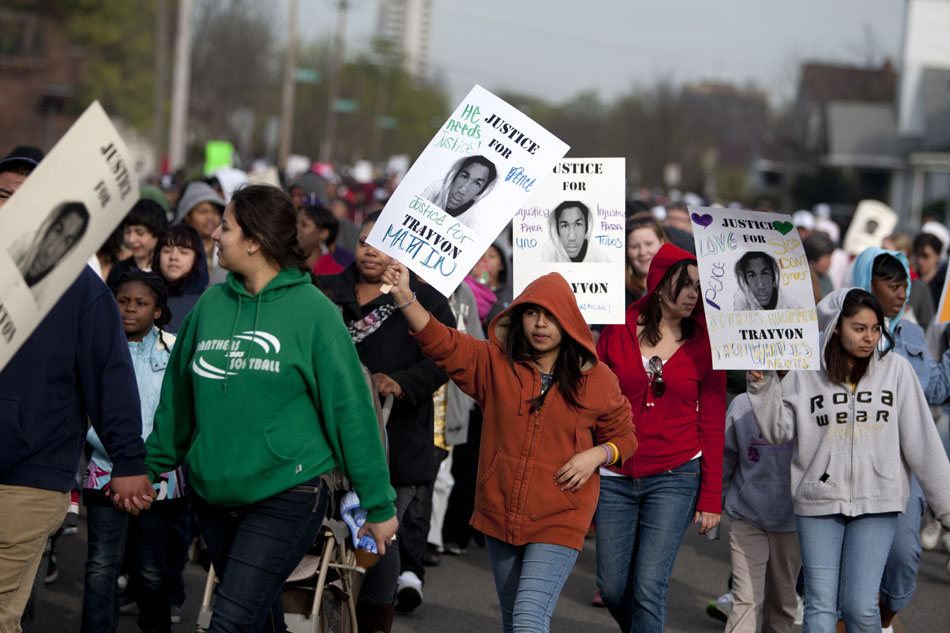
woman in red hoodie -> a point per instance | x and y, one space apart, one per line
661 357
552 415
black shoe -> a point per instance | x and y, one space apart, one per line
431 558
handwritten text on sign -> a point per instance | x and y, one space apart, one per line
756 290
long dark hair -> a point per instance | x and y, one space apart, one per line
267 214
567 365
184 236
159 290
836 358
650 318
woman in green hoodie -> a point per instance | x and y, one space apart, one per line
264 394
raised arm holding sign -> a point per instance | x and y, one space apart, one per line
464 188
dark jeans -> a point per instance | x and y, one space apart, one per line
254 548
108 530
415 503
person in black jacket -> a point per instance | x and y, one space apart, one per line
398 367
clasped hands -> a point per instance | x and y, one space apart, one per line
132 494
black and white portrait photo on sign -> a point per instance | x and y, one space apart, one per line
37 252
479 168
466 184
569 239
66 208
758 276
757 293
574 225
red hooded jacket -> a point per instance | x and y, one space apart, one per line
516 497
691 415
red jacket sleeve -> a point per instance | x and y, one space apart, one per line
712 430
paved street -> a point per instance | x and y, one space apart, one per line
460 595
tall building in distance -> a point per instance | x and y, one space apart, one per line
407 25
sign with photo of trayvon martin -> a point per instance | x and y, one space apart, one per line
756 290
64 211
464 188
574 225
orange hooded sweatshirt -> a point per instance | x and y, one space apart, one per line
516 498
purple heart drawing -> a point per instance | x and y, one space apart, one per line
703 220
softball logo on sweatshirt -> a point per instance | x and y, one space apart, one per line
237 355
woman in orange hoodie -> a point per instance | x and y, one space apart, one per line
552 415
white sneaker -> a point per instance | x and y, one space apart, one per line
800 611
720 608
408 592
930 533
887 629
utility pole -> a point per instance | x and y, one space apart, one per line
287 96
329 130
180 86
161 61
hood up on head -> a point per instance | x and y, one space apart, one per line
664 259
829 311
552 293
314 186
554 251
864 264
196 193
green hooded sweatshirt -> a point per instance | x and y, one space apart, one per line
266 392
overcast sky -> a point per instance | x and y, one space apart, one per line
556 49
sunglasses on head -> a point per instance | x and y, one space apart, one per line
656 377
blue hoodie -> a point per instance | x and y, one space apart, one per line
909 340
75 366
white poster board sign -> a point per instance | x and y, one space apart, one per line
58 218
871 223
756 290
574 224
464 188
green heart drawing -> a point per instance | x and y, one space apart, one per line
782 227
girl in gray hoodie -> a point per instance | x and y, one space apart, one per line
861 425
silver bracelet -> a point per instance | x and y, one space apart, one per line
406 304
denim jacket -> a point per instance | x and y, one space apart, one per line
149 360
910 342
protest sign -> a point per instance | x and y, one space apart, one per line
574 225
58 218
871 223
464 188
756 290
943 308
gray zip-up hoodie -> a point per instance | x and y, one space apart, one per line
755 473
854 450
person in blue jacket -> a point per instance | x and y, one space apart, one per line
886 275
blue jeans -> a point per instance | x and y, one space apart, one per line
254 548
900 572
529 579
844 556
108 530
640 526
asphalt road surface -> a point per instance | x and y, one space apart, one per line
460 594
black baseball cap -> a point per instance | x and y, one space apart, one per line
25 155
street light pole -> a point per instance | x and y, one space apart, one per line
180 86
329 130
287 98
